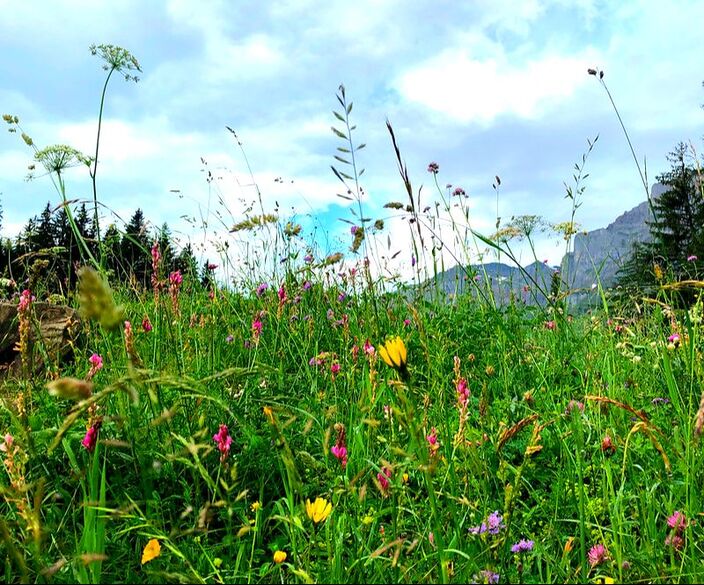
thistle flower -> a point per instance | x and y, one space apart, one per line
394 353
319 510
95 298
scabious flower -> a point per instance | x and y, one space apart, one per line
597 555
493 524
319 510
339 449
522 545
224 441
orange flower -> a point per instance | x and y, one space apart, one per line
151 551
280 556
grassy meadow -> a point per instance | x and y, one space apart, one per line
317 423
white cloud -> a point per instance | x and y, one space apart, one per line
472 90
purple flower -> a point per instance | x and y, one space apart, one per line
341 297
229 339
261 288
678 521
353 229
522 545
691 258
493 525
485 576
434 168
308 258
307 284
659 400
458 192
413 260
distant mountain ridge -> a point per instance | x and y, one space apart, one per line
596 255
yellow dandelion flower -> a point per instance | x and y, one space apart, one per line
255 506
394 353
319 510
280 556
151 551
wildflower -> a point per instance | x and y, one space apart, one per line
280 556
678 521
383 479
341 297
146 325
353 229
692 258
434 168
433 445
262 288
458 192
607 445
369 348
551 325
6 447
151 551
229 339
308 258
485 576
462 392
492 525
96 362
339 449
257 327
282 295
658 400
597 555
522 545
334 369
431 538
393 352
91 438
673 342
307 284
319 510
574 404
269 414
406 322
224 442
413 260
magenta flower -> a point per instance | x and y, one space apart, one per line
434 168
335 368
353 229
551 325
26 300
282 295
678 521
176 278
458 192
257 327
212 266
462 392
307 284
96 361
308 258
369 348
691 258
146 325
383 479
224 441
262 288
91 438
597 555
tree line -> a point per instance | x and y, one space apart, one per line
47 252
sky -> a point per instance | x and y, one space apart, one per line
483 88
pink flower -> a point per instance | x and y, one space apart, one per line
434 168
96 361
339 449
369 348
597 554
257 327
678 521
335 368
550 325
91 438
224 441
607 445
146 325
282 295
26 299
176 278
7 445
691 258
156 255
462 392
383 479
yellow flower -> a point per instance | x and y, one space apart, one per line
269 413
151 551
255 506
393 352
280 556
405 478
319 510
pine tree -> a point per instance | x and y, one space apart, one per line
677 232
135 248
